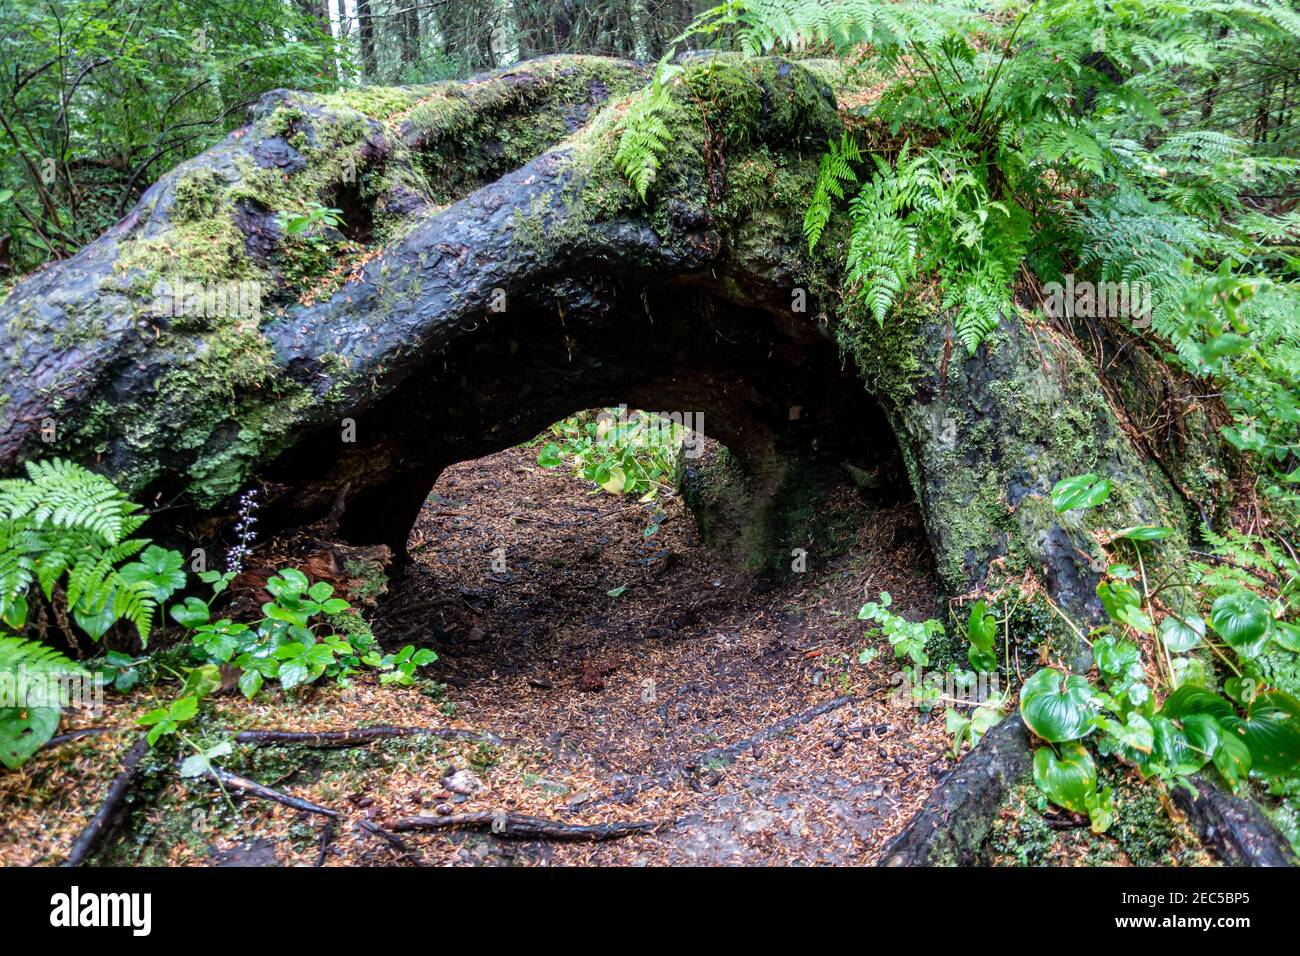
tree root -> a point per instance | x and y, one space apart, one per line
521 826
252 788
111 809
357 737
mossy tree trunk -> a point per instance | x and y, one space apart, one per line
492 272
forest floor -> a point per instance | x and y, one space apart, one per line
623 676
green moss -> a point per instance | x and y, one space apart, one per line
380 102
1143 833
198 196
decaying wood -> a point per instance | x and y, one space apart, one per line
1234 827
522 826
110 811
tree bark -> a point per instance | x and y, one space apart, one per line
545 287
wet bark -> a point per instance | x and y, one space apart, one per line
542 290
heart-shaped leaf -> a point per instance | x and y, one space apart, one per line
1241 618
1057 706
190 614
1068 780
1181 634
981 628
1272 732
1191 699
23 731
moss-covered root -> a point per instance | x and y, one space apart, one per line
950 829
986 437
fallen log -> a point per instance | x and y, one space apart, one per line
1235 828
524 827
436 333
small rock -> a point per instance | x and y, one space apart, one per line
444 809
462 782
476 634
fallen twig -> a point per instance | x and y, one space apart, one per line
521 826
76 735
109 811
393 840
356 737
233 781
326 835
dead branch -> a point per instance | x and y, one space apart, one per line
233 781
393 840
76 735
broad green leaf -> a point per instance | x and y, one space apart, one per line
981 627
1272 732
250 682
1232 758
1181 634
1286 635
23 731
1056 706
1135 733
1067 780
1081 491
191 613
1241 619
1190 699
1174 749
160 569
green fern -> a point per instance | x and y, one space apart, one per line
35 658
836 170
643 133
66 524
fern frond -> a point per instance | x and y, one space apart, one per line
35 657
835 171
